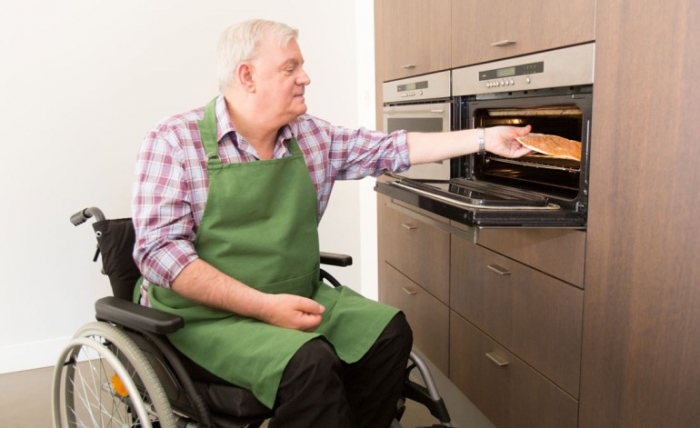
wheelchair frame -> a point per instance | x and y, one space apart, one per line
135 376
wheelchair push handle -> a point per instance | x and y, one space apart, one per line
82 216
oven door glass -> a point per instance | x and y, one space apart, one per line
424 117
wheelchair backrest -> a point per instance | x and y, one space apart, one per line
115 239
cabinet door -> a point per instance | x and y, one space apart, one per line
483 30
503 387
416 37
533 315
428 317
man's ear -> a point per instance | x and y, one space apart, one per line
244 75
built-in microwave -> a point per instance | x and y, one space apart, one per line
420 104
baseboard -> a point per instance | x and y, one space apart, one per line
29 356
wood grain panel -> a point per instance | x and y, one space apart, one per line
428 317
513 395
641 340
415 33
533 315
534 25
418 250
558 252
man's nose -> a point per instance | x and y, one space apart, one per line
303 78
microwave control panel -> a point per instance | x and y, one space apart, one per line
418 88
572 66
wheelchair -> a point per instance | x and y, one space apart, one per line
121 371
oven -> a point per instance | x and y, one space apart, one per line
420 104
551 91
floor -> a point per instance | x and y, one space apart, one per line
25 402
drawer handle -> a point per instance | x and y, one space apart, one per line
409 226
497 359
408 66
499 269
409 291
503 43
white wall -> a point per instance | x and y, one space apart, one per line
82 81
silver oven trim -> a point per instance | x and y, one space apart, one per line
573 66
438 86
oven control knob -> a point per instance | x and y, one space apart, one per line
527 79
512 82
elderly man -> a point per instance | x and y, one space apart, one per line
226 205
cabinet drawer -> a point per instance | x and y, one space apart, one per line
558 252
420 251
533 315
503 387
428 317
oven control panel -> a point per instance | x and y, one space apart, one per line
417 88
571 66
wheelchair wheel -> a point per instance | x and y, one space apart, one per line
103 380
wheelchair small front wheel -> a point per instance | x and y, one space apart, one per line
103 379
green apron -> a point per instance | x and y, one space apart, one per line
260 227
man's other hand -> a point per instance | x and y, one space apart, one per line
290 311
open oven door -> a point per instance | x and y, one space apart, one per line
479 204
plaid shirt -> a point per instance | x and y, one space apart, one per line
171 187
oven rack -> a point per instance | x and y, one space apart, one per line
542 161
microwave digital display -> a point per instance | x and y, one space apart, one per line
517 70
412 86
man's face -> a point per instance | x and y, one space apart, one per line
280 80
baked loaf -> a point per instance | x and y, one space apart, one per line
552 145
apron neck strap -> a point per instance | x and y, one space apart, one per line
207 131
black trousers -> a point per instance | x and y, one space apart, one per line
319 390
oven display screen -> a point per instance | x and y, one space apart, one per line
505 72
412 86
517 70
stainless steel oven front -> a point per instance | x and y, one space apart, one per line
420 104
551 91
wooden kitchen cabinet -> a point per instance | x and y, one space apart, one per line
414 37
417 249
414 274
641 341
532 314
428 317
506 389
464 300
486 30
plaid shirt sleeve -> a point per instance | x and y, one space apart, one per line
161 207
337 153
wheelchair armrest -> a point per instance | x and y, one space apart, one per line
136 317
335 259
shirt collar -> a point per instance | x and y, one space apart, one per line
225 124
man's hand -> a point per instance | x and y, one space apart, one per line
501 140
290 311
204 284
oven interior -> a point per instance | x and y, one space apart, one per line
566 115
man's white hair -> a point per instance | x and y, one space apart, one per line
240 43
